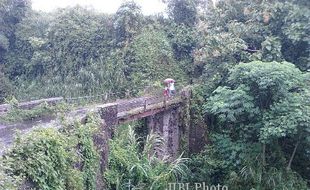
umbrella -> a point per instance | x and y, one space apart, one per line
168 80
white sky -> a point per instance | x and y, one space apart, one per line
107 6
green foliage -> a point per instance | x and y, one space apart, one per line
220 51
42 157
271 49
238 166
48 158
203 168
11 14
256 111
5 87
254 176
86 153
183 39
242 31
129 167
75 51
127 22
268 81
194 122
16 114
183 11
79 33
232 106
293 32
183 33
53 57
263 115
254 89
153 60
8 182
288 118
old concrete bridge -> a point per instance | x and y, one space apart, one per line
164 116
168 117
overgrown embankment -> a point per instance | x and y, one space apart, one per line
52 158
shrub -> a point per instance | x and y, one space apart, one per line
56 159
129 166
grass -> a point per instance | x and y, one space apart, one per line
16 114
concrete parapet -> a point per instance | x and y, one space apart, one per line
31 104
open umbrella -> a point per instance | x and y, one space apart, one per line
169 80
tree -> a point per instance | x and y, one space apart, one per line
153 59
65 52
182 31
127 22
5 87
264 105
183 11
11 13
71 33
243 31
289 119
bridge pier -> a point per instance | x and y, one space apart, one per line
166 125
108 115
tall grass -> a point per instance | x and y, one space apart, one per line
131 167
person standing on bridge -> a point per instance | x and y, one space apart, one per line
169 84
166 91
171 88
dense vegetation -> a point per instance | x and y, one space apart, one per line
133 166
54 159
249 62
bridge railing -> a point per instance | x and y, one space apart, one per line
145 101
82 100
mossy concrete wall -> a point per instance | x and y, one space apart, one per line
166 124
